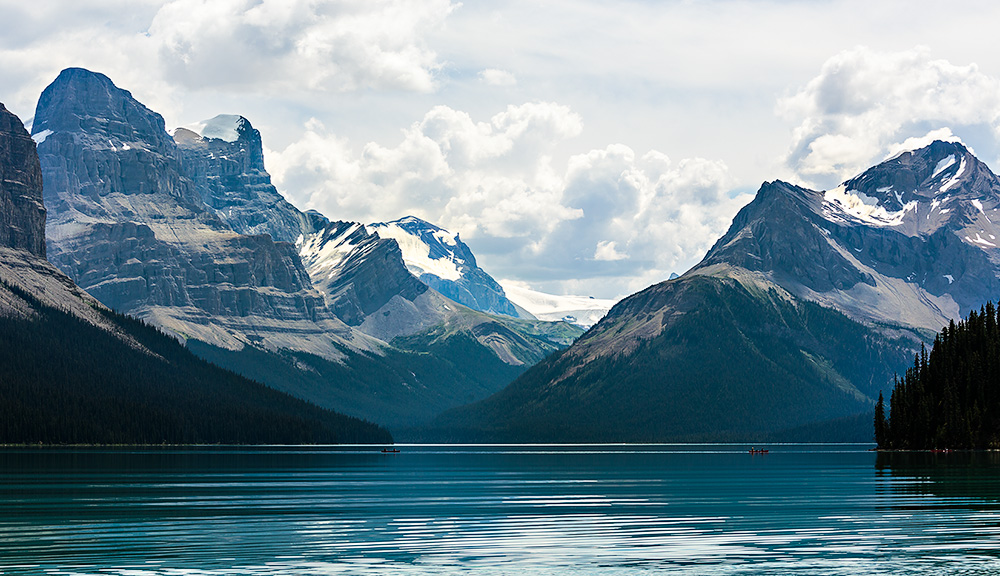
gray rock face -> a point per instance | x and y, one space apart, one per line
359 272
778 233
22 235
128 222
229 172
22 215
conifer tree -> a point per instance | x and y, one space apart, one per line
880 423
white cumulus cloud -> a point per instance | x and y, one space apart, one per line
335 45
495 77
603 214
864 101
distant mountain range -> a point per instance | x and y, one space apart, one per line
797 317
187 232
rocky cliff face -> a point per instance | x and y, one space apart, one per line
188 233
22 235
22 215
225 159
128 222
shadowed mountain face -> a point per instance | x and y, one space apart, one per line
800 314
22 215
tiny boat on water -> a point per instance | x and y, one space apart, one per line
757 451
388 451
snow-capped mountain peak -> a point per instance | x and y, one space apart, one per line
918 191
441 260
427 249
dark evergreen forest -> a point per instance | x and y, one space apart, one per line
950 397
65 381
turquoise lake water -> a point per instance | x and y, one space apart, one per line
649 509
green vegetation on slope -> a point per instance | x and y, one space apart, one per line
402 388
949 398
733 365
66 381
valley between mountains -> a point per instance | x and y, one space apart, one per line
789 327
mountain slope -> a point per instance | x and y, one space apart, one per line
75 372
729 356
800 313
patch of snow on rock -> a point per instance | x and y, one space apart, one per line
980 240
446 237
417 254
866 208
943 165
954 179
41 136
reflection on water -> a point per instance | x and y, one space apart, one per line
701 509
974 476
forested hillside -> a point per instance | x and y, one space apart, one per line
65 380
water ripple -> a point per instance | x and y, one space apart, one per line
526 510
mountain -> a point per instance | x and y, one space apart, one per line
188 233
128 223
224 157
75 372
584 311
440 259
798 316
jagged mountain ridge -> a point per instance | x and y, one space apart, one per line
225 158
908 242
820 295
364 276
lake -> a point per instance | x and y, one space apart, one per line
621 509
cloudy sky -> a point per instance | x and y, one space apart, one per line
578 147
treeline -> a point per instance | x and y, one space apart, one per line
950 397
65 381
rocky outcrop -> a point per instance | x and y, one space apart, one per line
22 215
225 158
22 236
359 272
128 222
